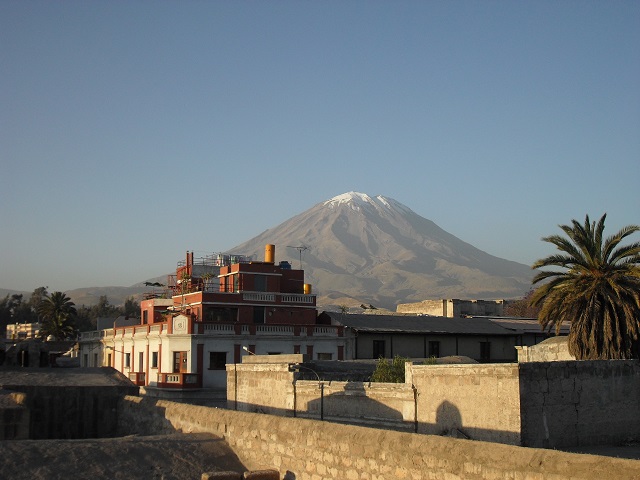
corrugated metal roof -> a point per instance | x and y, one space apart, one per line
527 325
417 324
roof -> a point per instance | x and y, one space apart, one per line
417 324
526 325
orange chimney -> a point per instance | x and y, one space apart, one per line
269 253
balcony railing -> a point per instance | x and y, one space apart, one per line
259 297
286 330
179 380
297 298
138 378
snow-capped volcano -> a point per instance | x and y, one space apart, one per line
377 250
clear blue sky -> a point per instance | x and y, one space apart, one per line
132 131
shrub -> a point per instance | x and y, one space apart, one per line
389 372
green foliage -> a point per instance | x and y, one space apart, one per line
13 308
597 290
131 308
57 313
389 372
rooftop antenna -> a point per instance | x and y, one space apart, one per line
300 249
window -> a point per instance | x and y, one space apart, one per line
236 282
260 283
217 360
127 360
221 315
85 359
109 363
378 349
485 351
325 356
141 362
154 359
258 314
95 360
434 349
145 316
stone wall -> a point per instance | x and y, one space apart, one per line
580 403
303 449
68 403
14 416
274 388
481 402
553 349
553 404
384 405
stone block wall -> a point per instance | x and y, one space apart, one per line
260 387
14 416
580 403
554 349
379 404
538 404
303 449
481 402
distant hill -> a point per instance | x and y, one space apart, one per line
362 249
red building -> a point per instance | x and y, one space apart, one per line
221 308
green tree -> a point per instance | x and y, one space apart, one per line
131 308
389 372
597 291
57 312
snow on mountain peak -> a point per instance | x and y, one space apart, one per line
358 200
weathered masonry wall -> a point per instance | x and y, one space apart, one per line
272 388
541 404
65 403
480 401
14 416
553 349
313 450
383 405
579 403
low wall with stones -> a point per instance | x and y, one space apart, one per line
274 388
553 349
571 403
383 405
14 416
481 402
304 449
540 404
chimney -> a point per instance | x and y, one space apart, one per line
269 253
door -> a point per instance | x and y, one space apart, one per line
179 362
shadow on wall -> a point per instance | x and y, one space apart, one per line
353 406
449 423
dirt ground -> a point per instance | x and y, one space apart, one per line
162 457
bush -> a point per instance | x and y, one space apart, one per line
389 372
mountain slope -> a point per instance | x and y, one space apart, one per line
376 250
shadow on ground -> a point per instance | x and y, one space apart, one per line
166 457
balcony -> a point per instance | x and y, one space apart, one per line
179 380
138 378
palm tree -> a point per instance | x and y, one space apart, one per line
598 292
58 314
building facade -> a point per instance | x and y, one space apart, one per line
375 336
454 307
220 309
